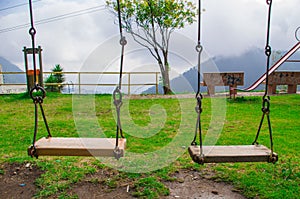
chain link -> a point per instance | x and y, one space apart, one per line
117 94
268 51
266 99
37 93
32 33
198 130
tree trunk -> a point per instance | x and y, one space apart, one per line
166 83
165 79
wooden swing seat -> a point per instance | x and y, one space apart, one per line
234 153
98 147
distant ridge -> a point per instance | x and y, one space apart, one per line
251 62
7 66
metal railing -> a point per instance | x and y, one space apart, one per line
79 80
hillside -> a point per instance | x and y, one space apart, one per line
9 67
252 63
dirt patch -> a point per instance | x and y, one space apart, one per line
191 184
187 184
17 180
102 185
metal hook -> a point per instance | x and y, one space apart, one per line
199 48
268 50
117 95
123 41
39 98
198 108
266 105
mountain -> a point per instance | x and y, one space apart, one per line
252 63
9 67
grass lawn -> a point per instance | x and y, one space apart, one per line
158 130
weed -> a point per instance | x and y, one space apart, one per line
150 188
111 183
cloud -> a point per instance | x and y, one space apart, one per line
66 41
229 28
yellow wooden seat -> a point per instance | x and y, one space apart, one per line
234 153
55 146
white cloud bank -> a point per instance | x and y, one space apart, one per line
229 28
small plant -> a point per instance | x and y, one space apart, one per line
151 188
55 79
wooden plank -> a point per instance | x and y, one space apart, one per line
223 79
102 147
235 153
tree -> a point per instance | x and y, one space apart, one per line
151 23
57 77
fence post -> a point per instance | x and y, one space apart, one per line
1 79
26 68
41 78
156 83
79 83
1 75
129 83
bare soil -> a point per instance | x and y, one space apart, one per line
18 181
192 185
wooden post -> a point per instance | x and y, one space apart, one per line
211 89
79 84
41 78
129 83
26 68
1 75
1 79
33 52
156 86
272 89
232 91
292 89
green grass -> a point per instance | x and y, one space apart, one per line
148 129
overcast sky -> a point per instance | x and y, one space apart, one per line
230 27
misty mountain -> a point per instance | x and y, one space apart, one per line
9 67
252 63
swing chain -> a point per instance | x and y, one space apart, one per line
199 158
266 99
117 94
37 93
198 131
199 97
32 33
198 110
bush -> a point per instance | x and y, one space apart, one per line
57 77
